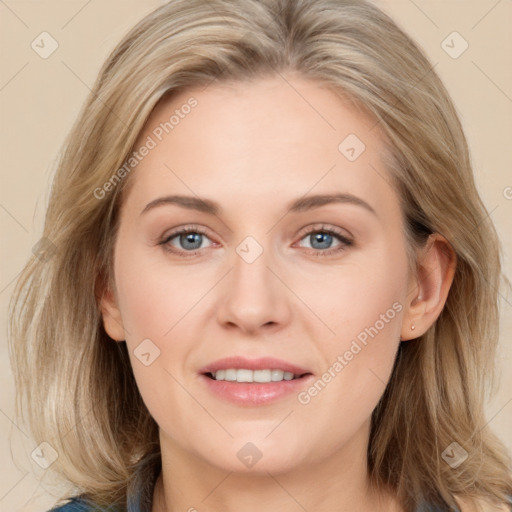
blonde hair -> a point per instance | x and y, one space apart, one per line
78 385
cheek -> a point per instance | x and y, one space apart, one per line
154 296
363 307
156 307
355 295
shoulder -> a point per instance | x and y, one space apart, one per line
79 505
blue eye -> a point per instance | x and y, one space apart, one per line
186 240
321 241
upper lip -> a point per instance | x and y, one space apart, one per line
262 363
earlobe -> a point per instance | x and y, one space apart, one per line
436 269
111 316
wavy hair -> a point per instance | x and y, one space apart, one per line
76 387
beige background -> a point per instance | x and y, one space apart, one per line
39 99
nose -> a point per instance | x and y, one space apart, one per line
253 298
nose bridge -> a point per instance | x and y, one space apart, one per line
251 270
253 296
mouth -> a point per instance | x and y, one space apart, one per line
254 382
258 376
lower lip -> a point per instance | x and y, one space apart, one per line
255 393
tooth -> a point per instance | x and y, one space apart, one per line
244 375
262 376
277 375
230 374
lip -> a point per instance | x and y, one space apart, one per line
250 394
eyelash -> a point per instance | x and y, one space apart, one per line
345 241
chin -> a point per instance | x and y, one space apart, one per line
258 456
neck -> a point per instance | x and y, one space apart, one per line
337 484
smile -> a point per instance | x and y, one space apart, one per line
253 382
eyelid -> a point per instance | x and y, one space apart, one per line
322 227
189 228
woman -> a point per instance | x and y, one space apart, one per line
268 281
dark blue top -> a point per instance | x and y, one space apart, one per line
77 505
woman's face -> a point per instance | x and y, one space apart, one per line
273 266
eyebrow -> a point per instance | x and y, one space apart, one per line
298 205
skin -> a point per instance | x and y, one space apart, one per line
253 148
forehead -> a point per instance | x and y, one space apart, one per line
272 137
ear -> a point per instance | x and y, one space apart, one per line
111 315
429 287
